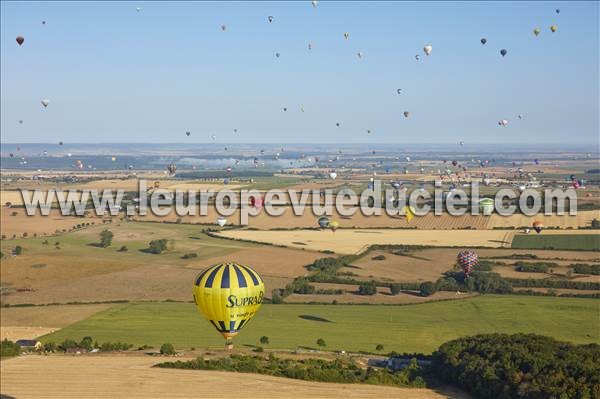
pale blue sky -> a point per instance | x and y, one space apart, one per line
116 75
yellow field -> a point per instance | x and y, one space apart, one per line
41 225
354 241
33 322
122 376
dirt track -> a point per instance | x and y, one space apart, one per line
117 376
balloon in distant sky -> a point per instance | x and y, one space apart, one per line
359 54
406 114
558 10
333 175
520 116
537 31
188 133
221 221
346 35
503 122
427 49
214 137
21 121
337 124
284 109
223 28
309 46
483 40
417 57
171 168
323 222
270 18
462 143
20 40
503 52
45 103
60 143
399 91
314 3
538 226
277 55
138 9
554 28
333 225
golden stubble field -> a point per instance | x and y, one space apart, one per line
125 376
350 241
32 322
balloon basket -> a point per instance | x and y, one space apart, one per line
228 344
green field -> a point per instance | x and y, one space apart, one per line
413 328
136 236
558 241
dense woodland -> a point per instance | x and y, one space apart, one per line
500 366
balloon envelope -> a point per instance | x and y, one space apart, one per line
228 295
20 40
467 260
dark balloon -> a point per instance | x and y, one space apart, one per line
503 52
20 40
483 40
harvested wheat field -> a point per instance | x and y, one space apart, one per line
115 376
431 263
347 241
32 322
582 219
16 222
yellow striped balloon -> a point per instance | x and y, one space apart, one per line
228 295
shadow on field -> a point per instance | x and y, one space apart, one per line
314 318
3 396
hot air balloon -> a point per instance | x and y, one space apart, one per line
60 143
427 49
487 206
138 9
522 188
558 10
309 46
113 159
11 155
503 122
483 40
20 40
520 116
43 22
417 57
223 28
537 31
537 226
45 103
576 184
314 3
171 168
359 54
346 35
228 295
221 221
323 222
256 202
467 260
406 114
503 52
20 121
277 55
333 225
270 18
188 133
399 91
333 175
553 28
